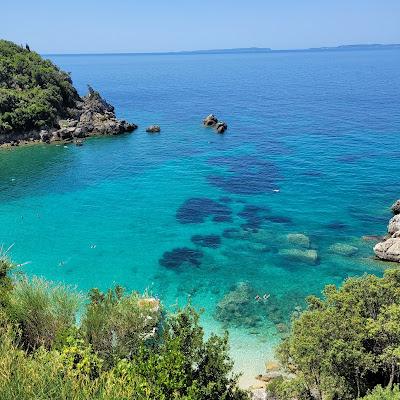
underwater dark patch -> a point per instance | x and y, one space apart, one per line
314 174
225 199
175 258
279 220
336 226
212 241
196 210
222 218
244 175
231 233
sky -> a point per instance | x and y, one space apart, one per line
93 26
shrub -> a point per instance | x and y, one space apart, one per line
347 343
34 93
42 311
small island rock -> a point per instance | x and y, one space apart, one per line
153 129
212 121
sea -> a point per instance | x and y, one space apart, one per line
243 225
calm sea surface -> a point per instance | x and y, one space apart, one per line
313 147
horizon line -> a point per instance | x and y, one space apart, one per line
236 50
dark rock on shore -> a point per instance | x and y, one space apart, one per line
153 129
389 248
212 121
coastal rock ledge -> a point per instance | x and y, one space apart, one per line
91 116
389 248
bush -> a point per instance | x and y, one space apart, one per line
344 345
42 311
34 93
384 394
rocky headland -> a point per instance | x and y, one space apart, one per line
92 116
38 103
389 248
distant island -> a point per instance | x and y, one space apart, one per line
250 50
38 102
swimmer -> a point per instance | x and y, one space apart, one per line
266 296
92 246
257 298
61 263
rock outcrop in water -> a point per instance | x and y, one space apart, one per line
212 121
153 129
389 248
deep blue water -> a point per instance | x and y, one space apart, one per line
312 148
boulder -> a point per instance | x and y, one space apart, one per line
396 207
299 239
210 120
389 250
153 129
304 256
343 249
221 127
394 225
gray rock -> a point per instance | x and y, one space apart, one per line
394 225
388 250
396 207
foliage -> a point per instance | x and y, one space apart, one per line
124 348
42 311
34 93
117 325
349 342
380 393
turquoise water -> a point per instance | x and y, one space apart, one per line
312 148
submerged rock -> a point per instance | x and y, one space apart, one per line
153 129
221 127
238 307
299 239
343 249
304 256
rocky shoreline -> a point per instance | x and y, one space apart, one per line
389 248
92 116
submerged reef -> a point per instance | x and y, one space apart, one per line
244 175
196 210
179 257
212 241
238 307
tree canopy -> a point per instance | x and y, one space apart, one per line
34 93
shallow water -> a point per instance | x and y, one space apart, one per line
312 147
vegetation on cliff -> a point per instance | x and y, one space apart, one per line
125 347
347 344
34 92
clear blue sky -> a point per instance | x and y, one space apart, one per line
162 25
